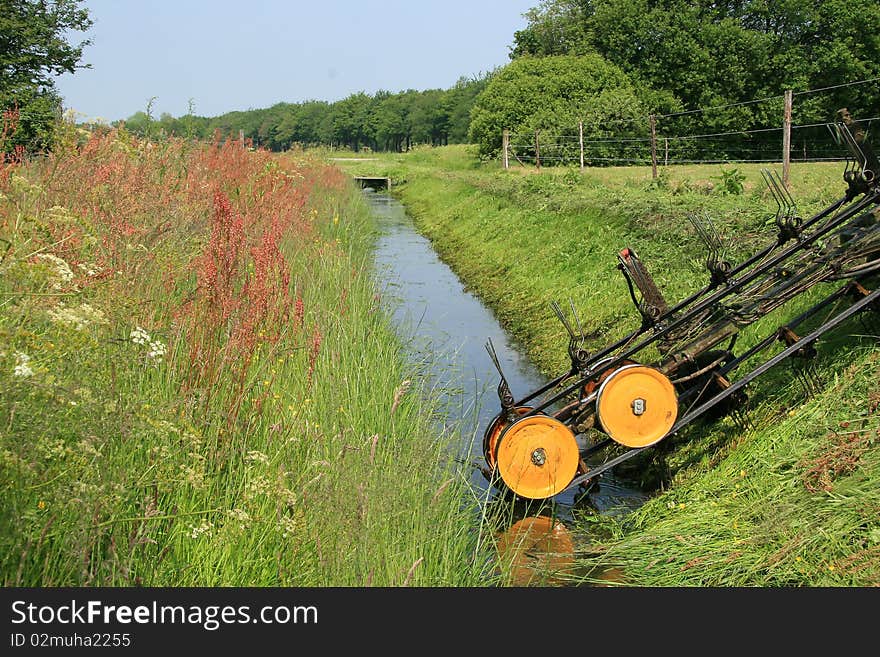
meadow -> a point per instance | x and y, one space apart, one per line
199 385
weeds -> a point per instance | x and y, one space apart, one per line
730 181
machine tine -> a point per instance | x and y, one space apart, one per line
768 180
789 199
563 319
837 136
834 129
776 182
743 419
699 226
717 267
798 373
577 319
868 163
707 232
815 378
494 356
786 219
504 394
853 146
811 378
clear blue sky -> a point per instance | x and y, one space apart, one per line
240 55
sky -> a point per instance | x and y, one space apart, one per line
225 55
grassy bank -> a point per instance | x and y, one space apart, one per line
199 386
789 500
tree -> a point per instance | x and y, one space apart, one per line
556 27
351 121
391 121
552 94
460 101
33 51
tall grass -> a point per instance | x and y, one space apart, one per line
199 386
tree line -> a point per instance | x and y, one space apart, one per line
383 121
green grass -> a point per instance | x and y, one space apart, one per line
787 502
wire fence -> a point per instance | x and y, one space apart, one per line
664 140
808 143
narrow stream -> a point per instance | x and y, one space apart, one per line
446 327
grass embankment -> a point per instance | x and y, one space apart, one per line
790 500
199 386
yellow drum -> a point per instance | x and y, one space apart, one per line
537 456
636 405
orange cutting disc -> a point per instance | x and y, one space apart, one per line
537 456
637 405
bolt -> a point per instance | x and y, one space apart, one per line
539 456
638 406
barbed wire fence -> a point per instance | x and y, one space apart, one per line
653 140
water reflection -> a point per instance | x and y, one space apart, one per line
537 551
544 543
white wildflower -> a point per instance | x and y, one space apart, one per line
240 516
60 215
63 272
289 526
78 317
194 476
256 487
22 367
203 529
139 336
157 350
287 496
52 448
87 448
89 270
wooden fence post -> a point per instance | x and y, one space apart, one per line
786 139
537 151
653 122
581 140
666 151
505 146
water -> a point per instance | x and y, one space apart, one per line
446 328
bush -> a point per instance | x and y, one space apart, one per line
552 94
